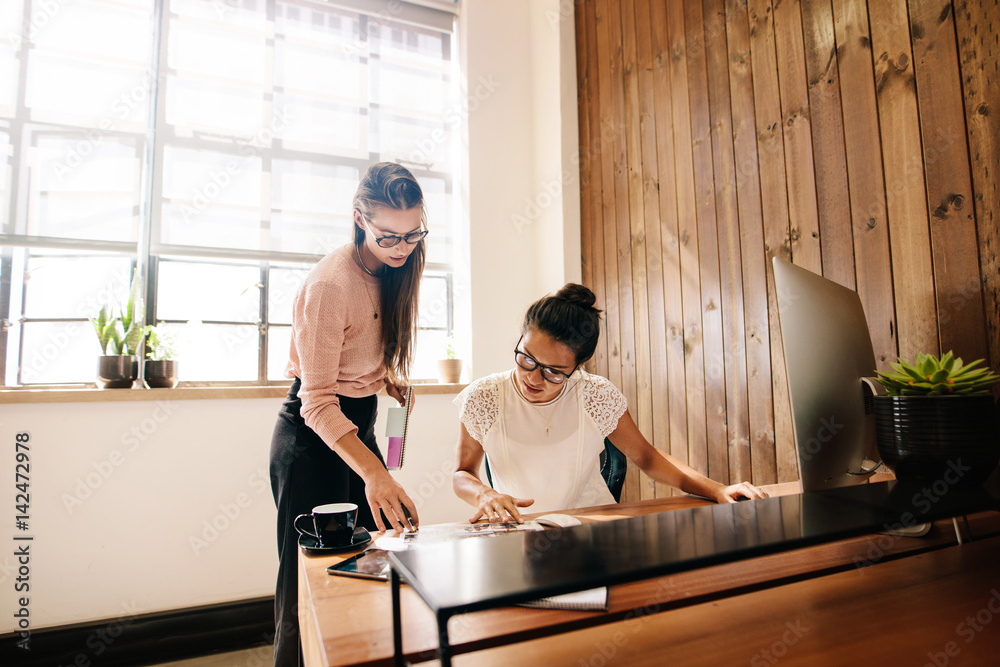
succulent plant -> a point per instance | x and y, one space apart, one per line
122 334
930 376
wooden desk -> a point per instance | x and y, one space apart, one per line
347 621
937 608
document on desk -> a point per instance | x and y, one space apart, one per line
593 599
444 532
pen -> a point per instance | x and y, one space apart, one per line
409 518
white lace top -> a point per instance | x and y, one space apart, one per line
546 451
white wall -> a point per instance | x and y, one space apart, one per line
523 181
154 479
152 506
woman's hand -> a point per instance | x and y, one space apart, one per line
399 393
493 506
730 494
386 494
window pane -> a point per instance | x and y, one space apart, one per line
90 63
430 348
434 304
213 51
439 243
409 89
324 70
11 26
208 292
322 126
283 285
59 352
66 287
6 156
279 339
312 206
219 66
320 80
317 25
84 187
408 43
97 29
216 353
211 199
214 106
410 139
200 177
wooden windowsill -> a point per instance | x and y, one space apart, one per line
88 395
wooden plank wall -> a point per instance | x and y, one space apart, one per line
858 139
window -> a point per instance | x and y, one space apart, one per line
215 145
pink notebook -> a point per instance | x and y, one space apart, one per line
395 430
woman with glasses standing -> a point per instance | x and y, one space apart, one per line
353 333
542 425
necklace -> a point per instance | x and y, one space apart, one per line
549 423
553 403
370 300
357 251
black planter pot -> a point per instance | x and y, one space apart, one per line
160 374
116 371
930 438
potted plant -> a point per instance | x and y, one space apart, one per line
938 420
449 368
120 337
160 369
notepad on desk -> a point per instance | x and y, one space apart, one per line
592 599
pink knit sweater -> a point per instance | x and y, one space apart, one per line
336 342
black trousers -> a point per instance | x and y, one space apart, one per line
305 473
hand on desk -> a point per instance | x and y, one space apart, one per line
741 491
385 493
495 506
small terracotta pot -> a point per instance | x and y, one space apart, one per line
449 371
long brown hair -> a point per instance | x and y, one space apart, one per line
390 185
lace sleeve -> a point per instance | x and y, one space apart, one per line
604 403
479 405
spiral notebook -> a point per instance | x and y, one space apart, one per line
396 421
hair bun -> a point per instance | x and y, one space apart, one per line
577 294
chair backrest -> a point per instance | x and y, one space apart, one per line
614 465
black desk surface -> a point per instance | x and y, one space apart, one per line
484 572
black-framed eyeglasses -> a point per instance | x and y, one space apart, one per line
528 363
391 240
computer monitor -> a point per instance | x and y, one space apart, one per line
828 350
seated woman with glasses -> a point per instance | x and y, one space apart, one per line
542 424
